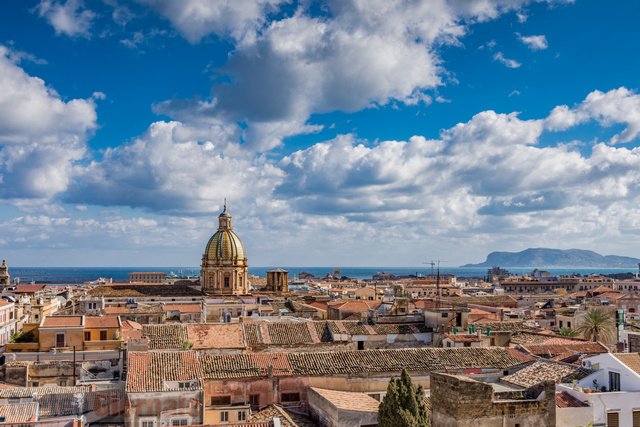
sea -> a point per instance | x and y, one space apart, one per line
79 275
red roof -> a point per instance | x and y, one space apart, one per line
28 289
565 400
183 308
62 322
101 322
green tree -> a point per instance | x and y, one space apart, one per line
403 405
568 332
597 325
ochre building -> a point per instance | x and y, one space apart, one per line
224 264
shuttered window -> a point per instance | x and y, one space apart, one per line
636 418
613 419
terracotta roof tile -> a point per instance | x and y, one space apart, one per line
28 288
632 360
543 370
140 290
267 415
101 322
565 400
215 335
150 371
19 412
159 371
183 308
167 336
557 346
62 321
351 401
463 337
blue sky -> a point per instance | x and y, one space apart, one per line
342 132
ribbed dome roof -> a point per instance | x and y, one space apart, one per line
225 245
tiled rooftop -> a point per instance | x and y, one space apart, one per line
30 391
350 401
148 371
215 335
139 290
543 370
463 337
259 334
558 346
28 288
19 412
565 400
62 321
267 415
183 308
101 322
167 336
156 371
65 402
632 360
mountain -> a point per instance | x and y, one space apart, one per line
559 258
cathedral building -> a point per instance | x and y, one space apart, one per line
224 263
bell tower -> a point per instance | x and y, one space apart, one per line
5 279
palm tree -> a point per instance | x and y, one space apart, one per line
568 332
596 325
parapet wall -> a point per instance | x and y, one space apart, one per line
461 401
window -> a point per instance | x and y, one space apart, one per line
87 336
35 384
184 384
636 418
103 335
226 282
614 381
467 344
60 339
568 324
224 416
148 423
254 400
220 401
242 416
62 383
613 419
290 397
179 422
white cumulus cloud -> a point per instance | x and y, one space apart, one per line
42 135
534 42
70 18
617 106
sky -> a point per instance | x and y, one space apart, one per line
341 133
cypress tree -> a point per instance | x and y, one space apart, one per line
403 406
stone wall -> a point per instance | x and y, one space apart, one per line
634 343
461 401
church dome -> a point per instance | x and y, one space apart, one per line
224 245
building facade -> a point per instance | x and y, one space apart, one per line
224 264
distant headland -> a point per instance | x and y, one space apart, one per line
559 258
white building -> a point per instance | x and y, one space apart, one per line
7 321
612 391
